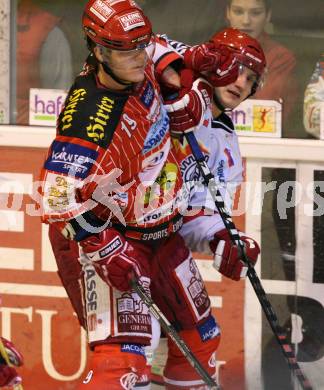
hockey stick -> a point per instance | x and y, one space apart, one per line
4 355
280 334
171 332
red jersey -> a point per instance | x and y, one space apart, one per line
112 160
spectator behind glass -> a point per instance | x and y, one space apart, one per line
314 100
251 16
43 55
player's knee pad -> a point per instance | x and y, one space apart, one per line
203 342
115 367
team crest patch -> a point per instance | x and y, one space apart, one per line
148 95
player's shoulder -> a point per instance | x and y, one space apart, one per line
91 112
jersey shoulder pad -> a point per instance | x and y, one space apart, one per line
90 112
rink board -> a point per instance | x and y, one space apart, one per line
36 313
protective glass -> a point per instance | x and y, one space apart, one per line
121 59
252 75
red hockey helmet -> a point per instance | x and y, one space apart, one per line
248 50
116 24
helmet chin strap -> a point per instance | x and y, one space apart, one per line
118 80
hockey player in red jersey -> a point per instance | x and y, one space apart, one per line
112 185
8 374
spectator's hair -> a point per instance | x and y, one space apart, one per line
267 4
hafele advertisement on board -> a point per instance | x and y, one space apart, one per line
45 106
258 118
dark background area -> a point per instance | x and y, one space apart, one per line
297 24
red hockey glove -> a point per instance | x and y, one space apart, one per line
227 260
116 261
188 110
8 374
219 61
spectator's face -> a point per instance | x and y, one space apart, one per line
233 94
249 16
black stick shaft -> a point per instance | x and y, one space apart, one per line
171 332
268 310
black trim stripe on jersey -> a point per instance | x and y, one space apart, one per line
224 122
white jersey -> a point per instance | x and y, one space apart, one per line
219 144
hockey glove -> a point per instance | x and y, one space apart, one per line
227 256
8 374
219 61
115 260
188 110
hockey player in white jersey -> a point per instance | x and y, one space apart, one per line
219 143
203 229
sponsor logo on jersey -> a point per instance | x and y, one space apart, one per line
131 20
220 171
101 10
128 381
99 121
91 298
70 159
70 108
157 132
163 233
212 362
111 247
197 290
148 95
133 348
133 315
229 157
209 329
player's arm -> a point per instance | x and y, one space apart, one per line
200 69
78 175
